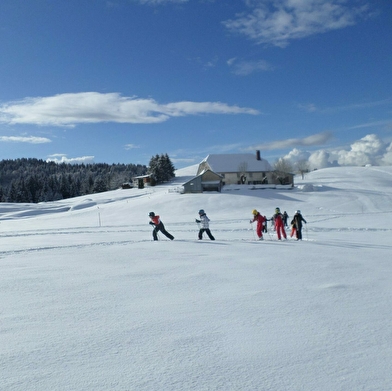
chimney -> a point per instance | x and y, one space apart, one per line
258 155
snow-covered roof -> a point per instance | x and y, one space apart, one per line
233 162
142 176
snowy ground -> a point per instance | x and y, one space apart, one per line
90 302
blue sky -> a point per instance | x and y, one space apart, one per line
122 80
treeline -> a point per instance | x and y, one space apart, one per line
34 180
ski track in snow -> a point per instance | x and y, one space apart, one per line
101 233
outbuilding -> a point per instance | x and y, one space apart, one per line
141 181
205 181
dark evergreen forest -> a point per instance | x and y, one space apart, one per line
34 180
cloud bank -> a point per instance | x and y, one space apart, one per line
369 150
277 22
93 107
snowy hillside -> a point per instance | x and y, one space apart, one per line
90 302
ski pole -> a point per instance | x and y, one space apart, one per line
253 232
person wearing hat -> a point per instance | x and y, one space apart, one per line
297 224
279 227
204 222
157 223
260 223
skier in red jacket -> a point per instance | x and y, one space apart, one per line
156 221
260 223
279 226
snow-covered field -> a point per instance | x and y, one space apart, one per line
90 302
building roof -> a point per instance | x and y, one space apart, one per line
142 176
234 162
201 177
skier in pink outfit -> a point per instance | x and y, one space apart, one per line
279 226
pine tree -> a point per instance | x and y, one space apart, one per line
99 185
161 168
168 168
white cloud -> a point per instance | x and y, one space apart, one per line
316 139
387 158
183 160
62 158
384 123
29 140
320 159
244 68
296 155
131 146
368 150
180 109
231 61
279 21
311 107
93 107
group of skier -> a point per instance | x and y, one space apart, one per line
279 221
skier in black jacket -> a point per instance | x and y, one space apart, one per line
296 222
